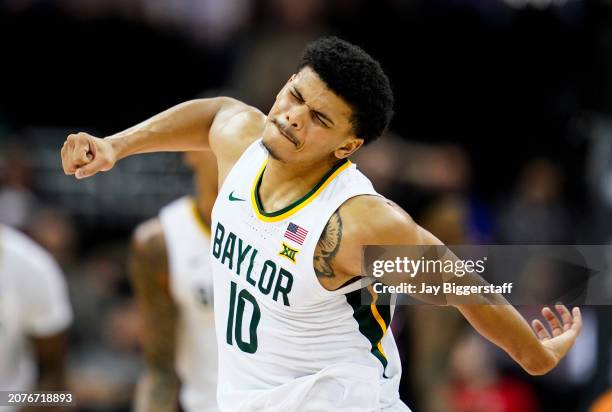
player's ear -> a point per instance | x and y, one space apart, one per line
349 147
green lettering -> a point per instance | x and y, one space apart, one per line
228 252
284 289
241 254
251 345
218 240
266 289
248 277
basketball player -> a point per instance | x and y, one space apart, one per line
170 272
288 228
34 315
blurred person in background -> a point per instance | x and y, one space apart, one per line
105 360
536 213
171 275
34 315
55 231
477 385
17 198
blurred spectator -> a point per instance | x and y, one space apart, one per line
536 213
17 200
55 232
599 179
393 160
478 386
448 219
105 361
103 374
34 315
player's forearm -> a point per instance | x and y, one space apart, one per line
505 327
157 391
184 127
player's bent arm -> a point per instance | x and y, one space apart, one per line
189 126
496 320
158 387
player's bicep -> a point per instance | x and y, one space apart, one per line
149 274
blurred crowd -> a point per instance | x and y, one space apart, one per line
552 186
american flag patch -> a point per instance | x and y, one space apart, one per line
295 233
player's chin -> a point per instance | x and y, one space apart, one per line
275 147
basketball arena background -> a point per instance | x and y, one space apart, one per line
502 134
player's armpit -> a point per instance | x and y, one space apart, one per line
148 267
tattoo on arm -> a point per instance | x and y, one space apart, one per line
148 267
328 246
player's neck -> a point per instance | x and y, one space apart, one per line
283 184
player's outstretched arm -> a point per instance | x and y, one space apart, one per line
537 350
188 126
158 387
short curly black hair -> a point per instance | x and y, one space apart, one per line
357 78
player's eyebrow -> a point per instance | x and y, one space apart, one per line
316 112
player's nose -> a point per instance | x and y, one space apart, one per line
295 116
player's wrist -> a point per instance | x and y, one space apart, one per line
119 147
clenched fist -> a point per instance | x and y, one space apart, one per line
84 155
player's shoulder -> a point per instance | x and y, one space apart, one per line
378 220
235 127
236 111
29 264
148 238
17 246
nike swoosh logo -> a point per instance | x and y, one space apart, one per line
234 199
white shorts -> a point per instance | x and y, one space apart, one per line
340 387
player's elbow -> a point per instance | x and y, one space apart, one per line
537 364
537 370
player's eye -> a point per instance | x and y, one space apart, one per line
320 119
296 97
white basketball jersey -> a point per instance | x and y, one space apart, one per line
285 342
33 303
188 244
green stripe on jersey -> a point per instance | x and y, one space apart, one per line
368 325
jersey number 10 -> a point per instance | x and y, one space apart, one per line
237 311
